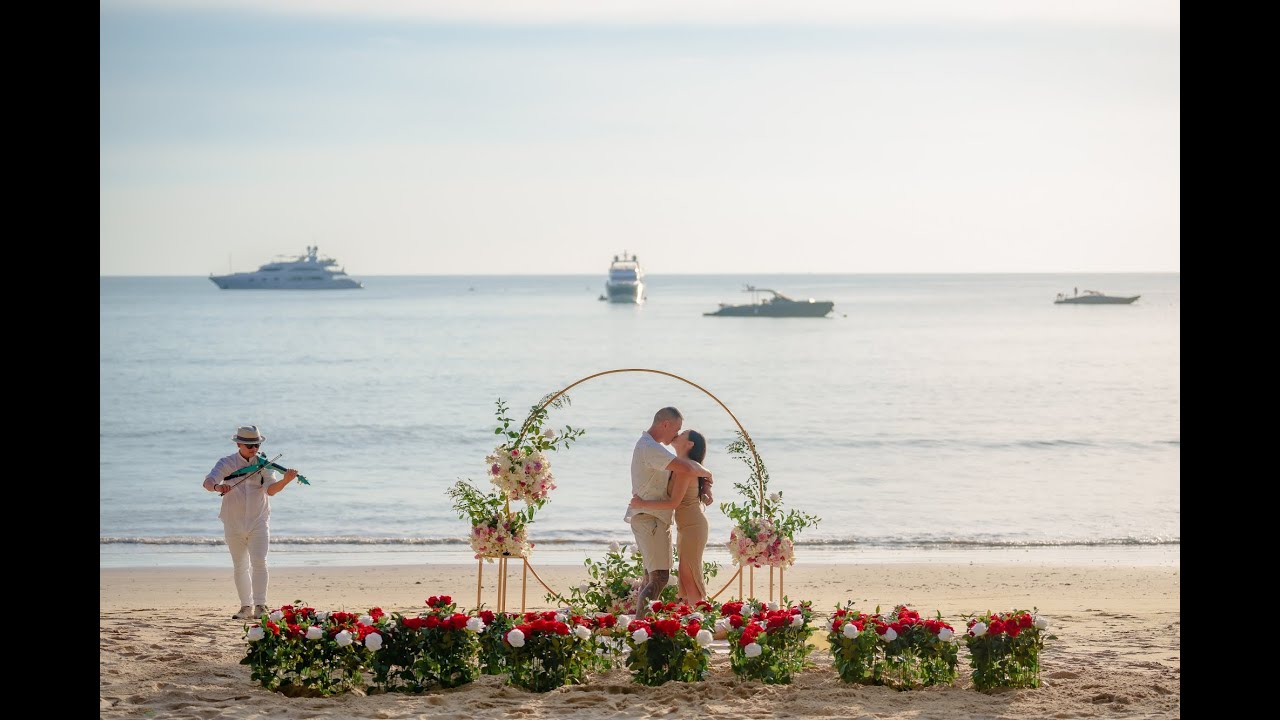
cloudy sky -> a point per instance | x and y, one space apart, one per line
446 137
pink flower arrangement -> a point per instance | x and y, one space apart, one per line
501 536
520 474
758 543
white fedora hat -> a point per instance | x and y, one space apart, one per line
249 435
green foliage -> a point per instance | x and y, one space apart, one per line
615 580
1004 648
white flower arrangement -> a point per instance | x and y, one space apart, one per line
519 475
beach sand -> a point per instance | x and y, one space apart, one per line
168 648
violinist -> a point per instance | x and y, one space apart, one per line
246 515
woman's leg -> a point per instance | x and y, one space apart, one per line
692 541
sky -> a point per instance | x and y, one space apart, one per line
455 137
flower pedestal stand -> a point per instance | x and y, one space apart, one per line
500 603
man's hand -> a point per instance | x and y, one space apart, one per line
634 499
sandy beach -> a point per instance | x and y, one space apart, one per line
168 648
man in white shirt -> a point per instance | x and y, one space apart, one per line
651 465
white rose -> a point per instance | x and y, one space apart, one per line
549 433
695 616
1041 622
722 624
774 497
752 650
276 616
475 625
979 629
373 641
314 633
516 637
256 633
639 636
797 620
365 619
582 631
583 588
322 615
343 638
704 637
944 634
889 635
614 546
850 631
561 617
624 620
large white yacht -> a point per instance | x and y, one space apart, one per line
303 272
626 280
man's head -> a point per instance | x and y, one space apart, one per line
247 439
666 425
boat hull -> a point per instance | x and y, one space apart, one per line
248 281
776 309
1096 300
627 292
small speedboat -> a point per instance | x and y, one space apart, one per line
775 305
1093 297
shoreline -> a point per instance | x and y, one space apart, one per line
124 556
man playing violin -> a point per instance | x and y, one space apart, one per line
246 515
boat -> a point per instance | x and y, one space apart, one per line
1093 297
301 272
626 280
775 305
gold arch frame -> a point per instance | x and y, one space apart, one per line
524 428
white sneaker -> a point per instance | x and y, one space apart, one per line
246 613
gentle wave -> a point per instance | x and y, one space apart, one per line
604 541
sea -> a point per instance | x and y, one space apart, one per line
929 418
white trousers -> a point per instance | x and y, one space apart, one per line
249 561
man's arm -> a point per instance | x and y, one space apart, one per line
683 464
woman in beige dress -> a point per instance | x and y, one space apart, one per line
685 496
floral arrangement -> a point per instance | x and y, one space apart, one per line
544 653
523 472
762 533
495 531
435 649
1004 648
902 650
615 581
301 651
520 470
670 643
767 642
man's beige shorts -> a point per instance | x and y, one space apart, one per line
653 540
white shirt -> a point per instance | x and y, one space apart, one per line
247 504
649 475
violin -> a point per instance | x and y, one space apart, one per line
259 464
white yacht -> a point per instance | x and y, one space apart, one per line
303 272
626 280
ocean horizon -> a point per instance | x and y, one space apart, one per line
930 418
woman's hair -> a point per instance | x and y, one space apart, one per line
698 452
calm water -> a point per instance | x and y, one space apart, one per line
935 417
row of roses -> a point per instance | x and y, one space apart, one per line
301 650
